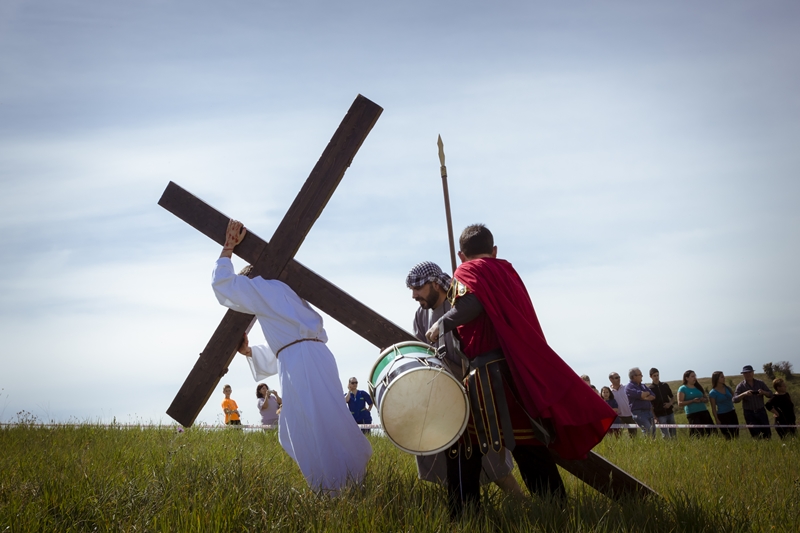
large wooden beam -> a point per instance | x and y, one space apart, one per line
604 476
310 286
306 208
318 188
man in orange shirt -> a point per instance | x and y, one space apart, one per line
230 408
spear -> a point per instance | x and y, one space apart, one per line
443 170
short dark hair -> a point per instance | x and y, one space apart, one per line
654 370
475 240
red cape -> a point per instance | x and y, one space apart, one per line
548 387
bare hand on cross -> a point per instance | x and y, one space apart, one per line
233 236
244 347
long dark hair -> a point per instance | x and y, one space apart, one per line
258 390
696 381
715 381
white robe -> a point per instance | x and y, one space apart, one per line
316 428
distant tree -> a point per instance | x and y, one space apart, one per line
769 370
784 367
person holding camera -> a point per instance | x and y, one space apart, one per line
268 404
751 393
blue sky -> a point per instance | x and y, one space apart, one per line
637 163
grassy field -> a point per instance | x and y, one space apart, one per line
94 478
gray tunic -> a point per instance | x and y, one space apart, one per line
433 468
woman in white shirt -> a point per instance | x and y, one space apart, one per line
268 404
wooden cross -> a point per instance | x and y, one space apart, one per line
274 260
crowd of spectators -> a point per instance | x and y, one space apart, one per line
652 404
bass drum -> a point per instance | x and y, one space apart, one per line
422 406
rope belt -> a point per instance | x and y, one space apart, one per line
295 342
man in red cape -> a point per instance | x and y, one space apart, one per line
492 311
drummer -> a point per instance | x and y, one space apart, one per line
429 286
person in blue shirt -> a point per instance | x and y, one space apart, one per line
692 397
641 399
359 402
721 398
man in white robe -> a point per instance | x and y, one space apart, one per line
316 429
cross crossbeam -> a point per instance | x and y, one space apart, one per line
310 286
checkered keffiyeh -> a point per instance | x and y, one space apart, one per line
425 272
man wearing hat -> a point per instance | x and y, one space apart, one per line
429 287
751 393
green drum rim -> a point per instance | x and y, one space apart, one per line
396 353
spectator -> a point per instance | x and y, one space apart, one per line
608 396
588 381
721 398
268 404
782 407
640 399
751 393
230 408
625 415
662 405
360 403
692 397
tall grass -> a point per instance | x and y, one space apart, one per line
91 478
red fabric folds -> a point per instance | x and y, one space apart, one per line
548 387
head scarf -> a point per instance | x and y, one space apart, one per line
425 272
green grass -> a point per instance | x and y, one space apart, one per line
92 478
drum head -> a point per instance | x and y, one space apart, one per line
424 411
